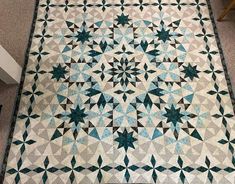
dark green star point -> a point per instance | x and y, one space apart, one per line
77 115
58 72
190 71
122 19
163 35
83 36
125 140
173 115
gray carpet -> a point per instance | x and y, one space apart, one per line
15 22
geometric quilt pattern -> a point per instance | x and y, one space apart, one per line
124 91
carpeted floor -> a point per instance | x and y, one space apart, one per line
21 30
15 23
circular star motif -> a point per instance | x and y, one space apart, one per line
124 72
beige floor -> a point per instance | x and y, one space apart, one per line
15 22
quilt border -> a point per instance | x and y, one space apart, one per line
19 91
